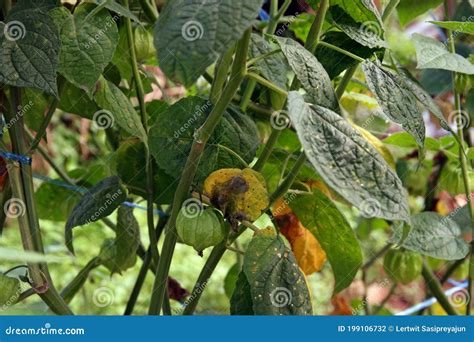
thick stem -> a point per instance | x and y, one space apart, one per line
201 137
144 118
220 75
150 11
436 290
76 284
315 31
346 79
389 9
267 83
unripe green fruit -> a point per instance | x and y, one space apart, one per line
144 47
200 230
403 266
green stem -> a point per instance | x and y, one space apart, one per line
346 79
267 150
247 95
463 162
267 83
315 31
202 135
138 284
221 73
257 59
289 179
78 282
436 290
273 22
144 118
389 9
345 52
150 11
22 187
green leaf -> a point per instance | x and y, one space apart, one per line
347 162
432 54
74 100
118 108
29 49
55 203
131 168
327 56
462 216
234 141
190 35
10 291
409 9
367 33
272 67
116 7
122 253
397 101
100 201
34 105
88 44
230 280
360 11
241 301
434 235
322 218
457 26
310 73
403 139
277 285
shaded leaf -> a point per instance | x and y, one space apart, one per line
114 6
310 73
10 290
277 285
99 202
397 101
321 217
434 235
409 9
74 100
88 44
118 107
190 34
234 141
29 49
432 54
347 162
230 280
457 26
55 203
241 301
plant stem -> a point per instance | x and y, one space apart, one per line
267 83
247 95
201 137
389 9
221 73
22 186
436 290
267 150
76 284
144 118
150 11
257 59
463 162
345 52
315 31
346 79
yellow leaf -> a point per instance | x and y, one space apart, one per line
308 252
379 146
239 194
